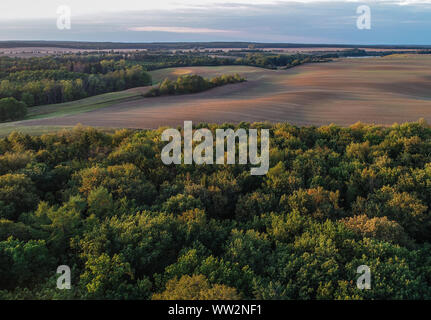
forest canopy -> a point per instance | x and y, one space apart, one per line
130 227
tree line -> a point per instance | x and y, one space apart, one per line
49 87
184 45
191 84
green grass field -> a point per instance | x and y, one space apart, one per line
66 109
6 129
79 106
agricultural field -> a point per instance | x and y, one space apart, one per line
380 90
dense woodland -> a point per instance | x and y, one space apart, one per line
40 81
132 228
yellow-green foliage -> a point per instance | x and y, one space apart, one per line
131 227
196 287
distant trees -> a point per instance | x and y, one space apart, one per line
71 80
58 79
271 61
12 109
191 84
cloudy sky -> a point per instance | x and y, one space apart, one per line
303 21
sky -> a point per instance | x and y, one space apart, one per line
303 21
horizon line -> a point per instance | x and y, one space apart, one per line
292 44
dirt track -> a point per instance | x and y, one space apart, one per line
373 90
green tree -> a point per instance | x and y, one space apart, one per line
17 194
195 287
12 109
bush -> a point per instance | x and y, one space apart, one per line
12 109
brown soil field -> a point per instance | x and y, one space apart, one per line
373 90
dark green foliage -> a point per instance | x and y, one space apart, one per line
12 109
132 228
17 195
24 263
51 80
270 61
191 84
